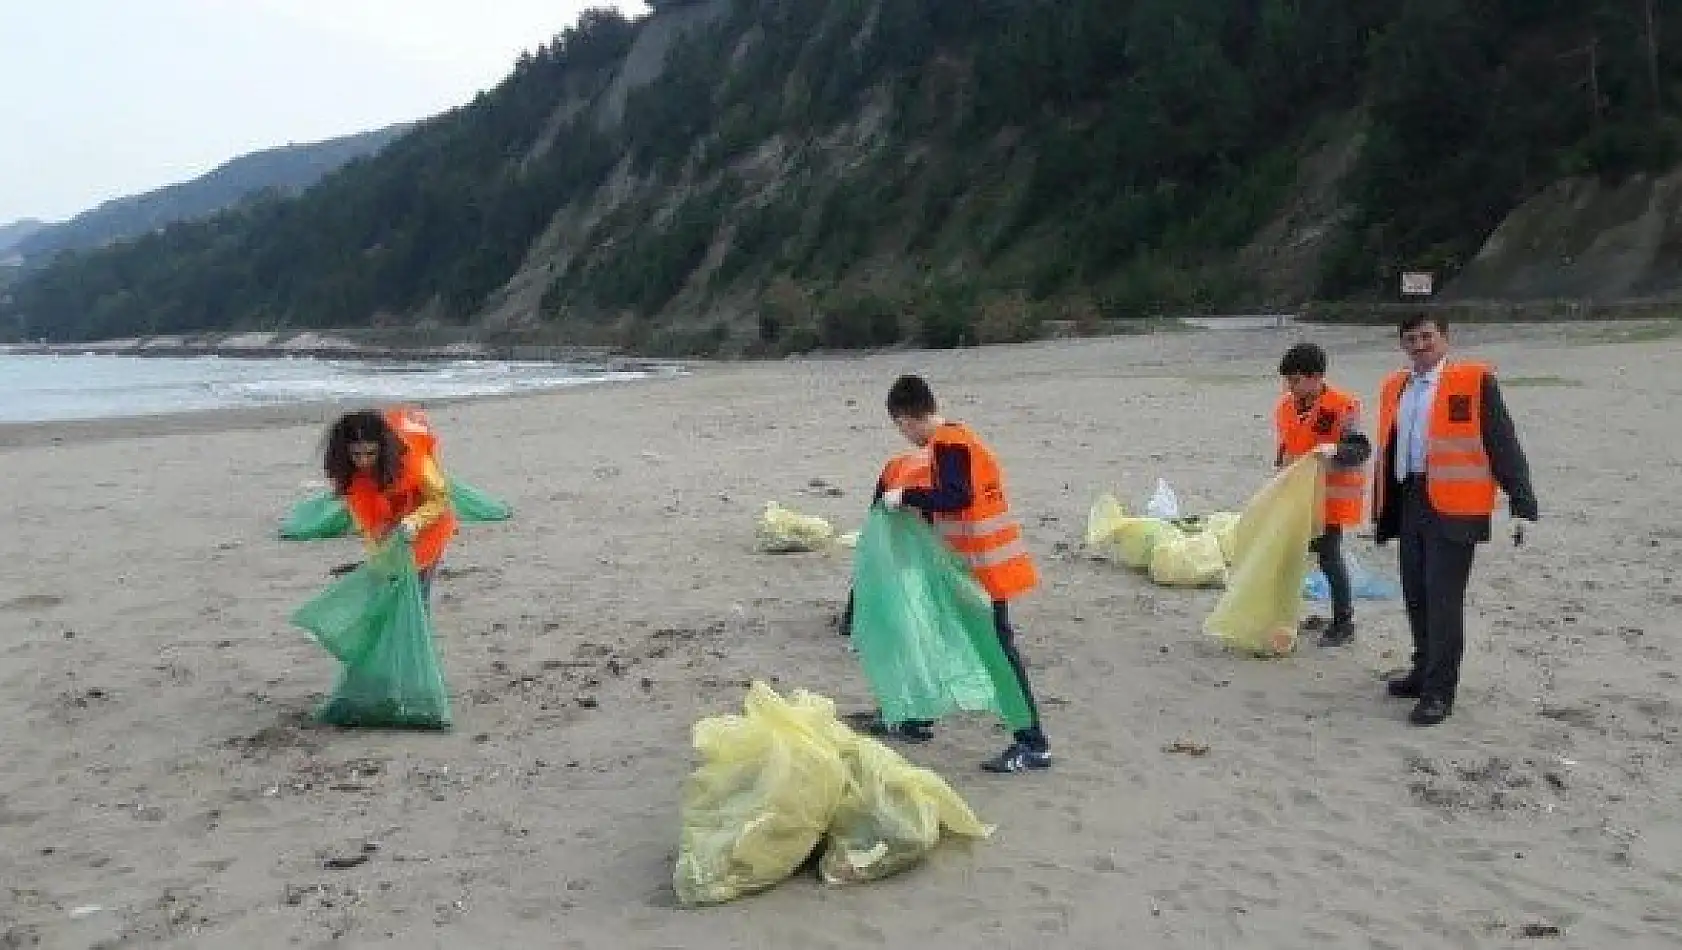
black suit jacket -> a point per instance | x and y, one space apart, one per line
1506 463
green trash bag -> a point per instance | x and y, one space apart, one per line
473 505
323 515
923 627
376 623
317 518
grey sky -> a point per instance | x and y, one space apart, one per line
101 98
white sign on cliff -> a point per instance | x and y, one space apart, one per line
1416 283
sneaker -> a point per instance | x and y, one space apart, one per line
1313 625
1018 758
1339 633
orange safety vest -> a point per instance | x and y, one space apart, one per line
1458 480
413 427
913 469
1324 423
984 534
377 512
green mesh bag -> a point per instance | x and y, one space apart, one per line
376 623
923 627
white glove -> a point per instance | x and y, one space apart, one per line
893 498
1327 451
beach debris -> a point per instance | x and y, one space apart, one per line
1540 930
348 861
783 531
1187 747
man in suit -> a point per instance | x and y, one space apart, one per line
1446 444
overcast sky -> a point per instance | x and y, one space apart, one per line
101 98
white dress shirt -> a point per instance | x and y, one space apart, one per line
1413 418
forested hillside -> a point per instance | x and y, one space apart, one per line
285 170
771 175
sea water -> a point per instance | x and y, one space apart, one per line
57 388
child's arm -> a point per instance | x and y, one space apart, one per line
435 499
952 490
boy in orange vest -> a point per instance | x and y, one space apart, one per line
1312 416
965 500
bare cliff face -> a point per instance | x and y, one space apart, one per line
1584 239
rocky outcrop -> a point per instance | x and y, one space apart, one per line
1584 239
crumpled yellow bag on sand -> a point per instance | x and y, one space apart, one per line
782 531
1259 611
891 815
1188 559
1114 535
1174 557
778 779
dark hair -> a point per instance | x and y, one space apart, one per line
1414 321
910 397
1304 359
362 426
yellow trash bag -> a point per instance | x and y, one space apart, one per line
1223 525
891 815
1259 611
1188 559
781 531
1113 535
756 808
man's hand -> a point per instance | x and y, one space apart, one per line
893 498
1327 451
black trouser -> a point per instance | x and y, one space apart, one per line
1435 568
1330 548
1033 737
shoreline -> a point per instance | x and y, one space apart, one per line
357 345
55 432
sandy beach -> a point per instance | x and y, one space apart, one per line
162 786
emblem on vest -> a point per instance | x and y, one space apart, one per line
1460 408
1325 422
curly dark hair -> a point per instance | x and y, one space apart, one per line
365 426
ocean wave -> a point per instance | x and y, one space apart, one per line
74 387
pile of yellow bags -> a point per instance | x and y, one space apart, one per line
782 531
1261 556
1259 611
1185 552
786 776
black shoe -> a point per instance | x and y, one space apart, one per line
1404 687
1340 633
1430 711
1018 758
1313 625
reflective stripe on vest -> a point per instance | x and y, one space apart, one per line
984 534
1325 423
1458 480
